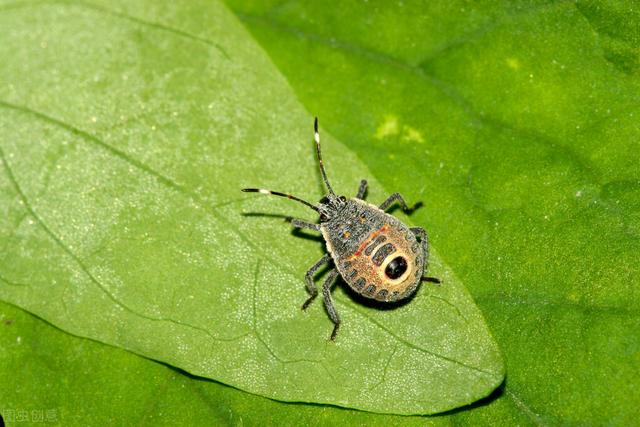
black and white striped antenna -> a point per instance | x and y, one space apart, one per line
322 171
277 193
298 199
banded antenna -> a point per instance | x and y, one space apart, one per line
277 193
324 173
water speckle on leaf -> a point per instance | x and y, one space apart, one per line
513 63
388 127
412 135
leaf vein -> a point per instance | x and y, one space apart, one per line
120 15
524 408
11 283
257 334
409 344
541 302
383 377
84 268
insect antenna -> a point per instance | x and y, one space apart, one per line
324 173
277 193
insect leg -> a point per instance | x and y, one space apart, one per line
392 198
424 241
328 302
298 223
362 189
311 286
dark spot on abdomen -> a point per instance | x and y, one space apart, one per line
396 267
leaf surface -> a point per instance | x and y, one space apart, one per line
127 131
74 381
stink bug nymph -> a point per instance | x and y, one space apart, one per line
377 255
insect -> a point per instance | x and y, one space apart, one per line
377 255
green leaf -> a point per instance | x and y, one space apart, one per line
75 381
128 129
517 124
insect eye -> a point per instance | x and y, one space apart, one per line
396 267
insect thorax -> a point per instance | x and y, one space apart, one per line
345 231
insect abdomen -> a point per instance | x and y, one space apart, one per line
385 265
374 252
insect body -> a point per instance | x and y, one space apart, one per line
378 256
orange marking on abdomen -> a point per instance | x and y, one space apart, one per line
372 236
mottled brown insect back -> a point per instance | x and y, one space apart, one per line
378 256
371 248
